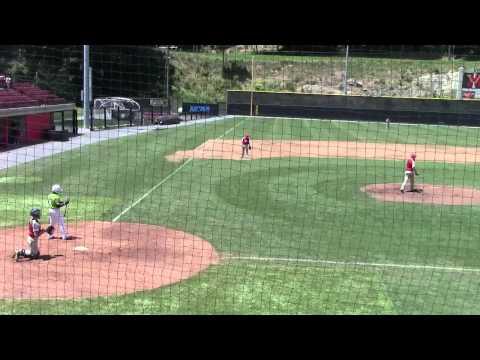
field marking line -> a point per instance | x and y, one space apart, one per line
141 198
150 191
354 263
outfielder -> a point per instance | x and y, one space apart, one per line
410 173
34 231
246 144
56 202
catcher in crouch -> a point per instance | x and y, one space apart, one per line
410 173
34 231
56 202
246 144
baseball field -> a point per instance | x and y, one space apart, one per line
294 229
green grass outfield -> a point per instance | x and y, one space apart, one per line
269 213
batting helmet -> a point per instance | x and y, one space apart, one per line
35 212
57 189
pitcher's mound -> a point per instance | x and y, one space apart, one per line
427 194
103 259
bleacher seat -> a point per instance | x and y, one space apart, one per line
23 94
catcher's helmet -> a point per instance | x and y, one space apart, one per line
57 189
35 212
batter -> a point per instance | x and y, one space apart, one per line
56 202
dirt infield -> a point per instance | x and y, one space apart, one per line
265 149
430 194
103 259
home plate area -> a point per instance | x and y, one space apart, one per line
102 259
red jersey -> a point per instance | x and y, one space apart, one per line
410 165
33 227
246 140
473 81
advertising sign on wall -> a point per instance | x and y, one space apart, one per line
471 85
200 108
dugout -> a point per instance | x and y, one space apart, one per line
407 110
30 125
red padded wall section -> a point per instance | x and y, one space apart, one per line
36 126
4 131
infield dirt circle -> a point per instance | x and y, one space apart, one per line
429 194
102 259
228 149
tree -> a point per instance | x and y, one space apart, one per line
130 71
223 48
56 68
8 55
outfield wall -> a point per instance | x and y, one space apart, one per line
412 110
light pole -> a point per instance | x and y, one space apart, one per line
168 85
252 85
346 73
86 86
167 73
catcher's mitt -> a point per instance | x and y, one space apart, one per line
50 229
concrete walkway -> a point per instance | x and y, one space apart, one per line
26 154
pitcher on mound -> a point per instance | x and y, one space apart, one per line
56 202
410 173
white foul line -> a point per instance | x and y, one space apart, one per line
345 263
165 179
151 190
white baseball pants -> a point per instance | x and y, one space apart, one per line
408 176
55 217
32 249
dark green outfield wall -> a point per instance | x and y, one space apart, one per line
458 112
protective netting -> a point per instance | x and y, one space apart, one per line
190 202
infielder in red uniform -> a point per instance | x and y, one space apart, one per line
410 173
246 144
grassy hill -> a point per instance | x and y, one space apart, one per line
199 76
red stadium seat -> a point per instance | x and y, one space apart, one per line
27 94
